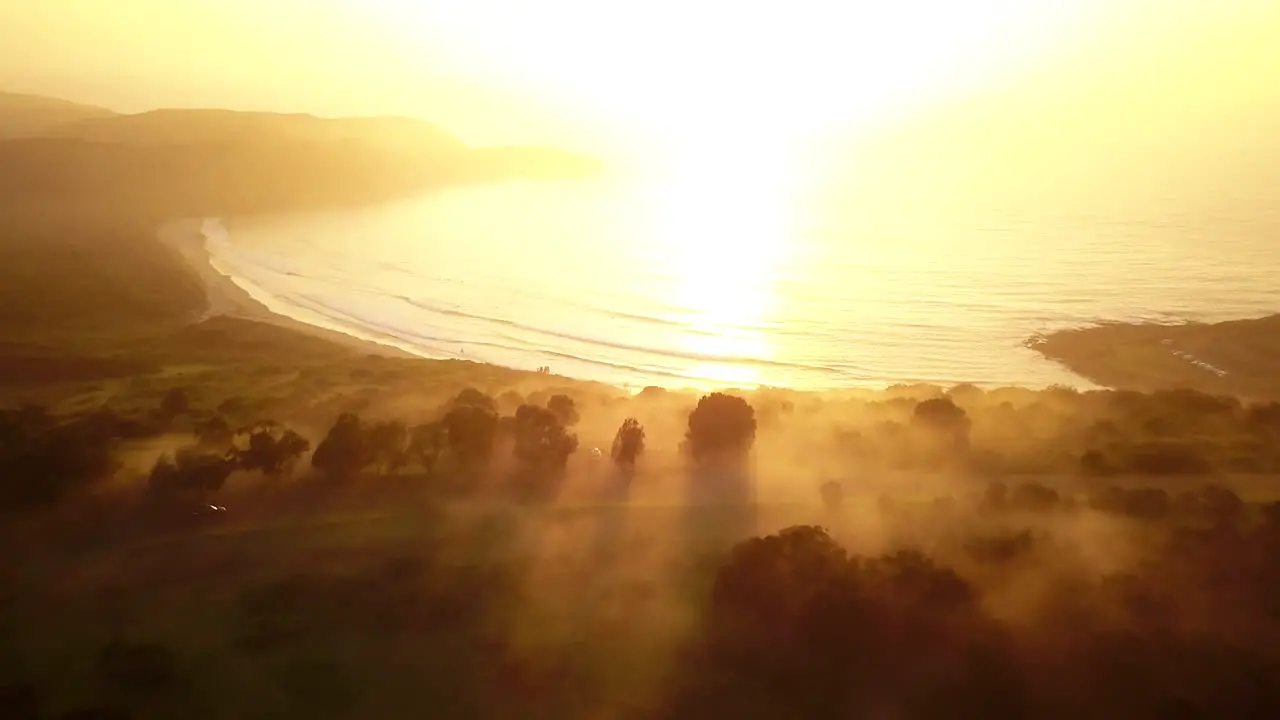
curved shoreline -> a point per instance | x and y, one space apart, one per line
1235 357
1238 357
225 298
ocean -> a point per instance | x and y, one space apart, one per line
714 280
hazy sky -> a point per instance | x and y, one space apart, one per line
591 72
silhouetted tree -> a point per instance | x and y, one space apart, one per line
542 444
426 443
204 472
941 417
798 628
470 431
628 443
214 433
344 451
387 444
652 392
290 446
190 472
1211 505
175 403
565 410
832 493
720 426
43 460
1094 463
471 397
272 449
1000 548
509 400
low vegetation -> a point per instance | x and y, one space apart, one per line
345 546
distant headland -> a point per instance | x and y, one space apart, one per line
1237 357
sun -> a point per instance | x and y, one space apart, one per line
725 100
672 74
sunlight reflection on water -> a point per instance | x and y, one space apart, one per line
728 274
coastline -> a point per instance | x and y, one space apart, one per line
1234 357
224 298
1237 357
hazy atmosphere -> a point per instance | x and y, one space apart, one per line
567 359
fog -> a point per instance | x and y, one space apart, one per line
1022 548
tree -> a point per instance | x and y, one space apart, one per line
203 472
542 443
1212 505
471 397
387 445
292 446
720 426
190 472
164 479
426 442
470 430
628 443
175 403
44 460
832 494
564 409
214 433
272 448
770 579
942 418
344 451
509 400
802 629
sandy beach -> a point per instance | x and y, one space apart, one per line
227 299
1232 358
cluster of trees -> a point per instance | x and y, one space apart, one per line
48 456
466 438
796 626
45 458
204 467
1009 613
1054 431
983 433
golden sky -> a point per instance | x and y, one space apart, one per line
597 73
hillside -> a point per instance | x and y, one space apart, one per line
28 115
182 127
80 200
165 163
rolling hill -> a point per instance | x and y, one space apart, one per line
83 190
33 115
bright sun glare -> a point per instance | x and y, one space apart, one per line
683 73
722 96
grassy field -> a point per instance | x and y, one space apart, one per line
1142 357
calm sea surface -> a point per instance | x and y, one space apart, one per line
719 278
